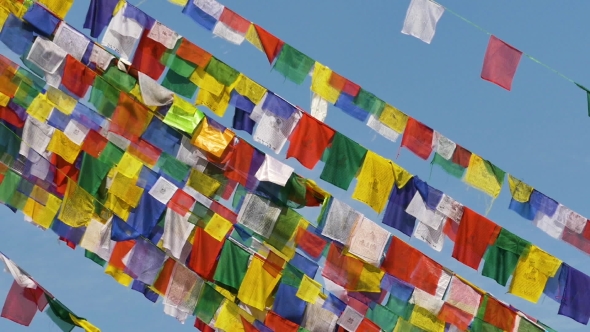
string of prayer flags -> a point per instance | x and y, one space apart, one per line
500 63
358 276
26 297
421 19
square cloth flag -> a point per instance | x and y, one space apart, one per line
293 64
309 140
421 19
500 63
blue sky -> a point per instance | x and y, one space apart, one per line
537 132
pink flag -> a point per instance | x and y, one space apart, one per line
500 63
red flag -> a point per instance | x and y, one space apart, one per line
278 323
193 53
368 326
455 316
341 83
309 140
204 255
77 78
271 44
401 259
310 243
418 138
247 326
181 202
499 315
461 156
22 303
161 284
475 233
500 63
147 56
426 275
94 143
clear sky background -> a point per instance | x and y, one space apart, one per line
538 131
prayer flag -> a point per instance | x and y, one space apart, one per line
502 257
532 273
485 176
345 157
573 304
475 233
147 56
418 138
421 19
309 141
293 64
500 63
375 181
271 44
257 285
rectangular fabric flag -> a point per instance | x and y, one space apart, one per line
345 157
500 63
257 285
532 273
418 138
485 176
475 233
421 19
309 140
573 304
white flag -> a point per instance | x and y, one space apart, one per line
421 19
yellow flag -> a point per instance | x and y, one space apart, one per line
309 289
124 187
532 273
14 7
178 2
481 176
203 80
86 325
521 192
401 175
61 100
252 37
129 165
59 7
394 118
78 206
118 206
425 320
118 275
320 83
63 146
375 181
218 227
4 99
370 279
257 285
216 103
203 183
40 108
250 89
228 318
227 294
208 138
